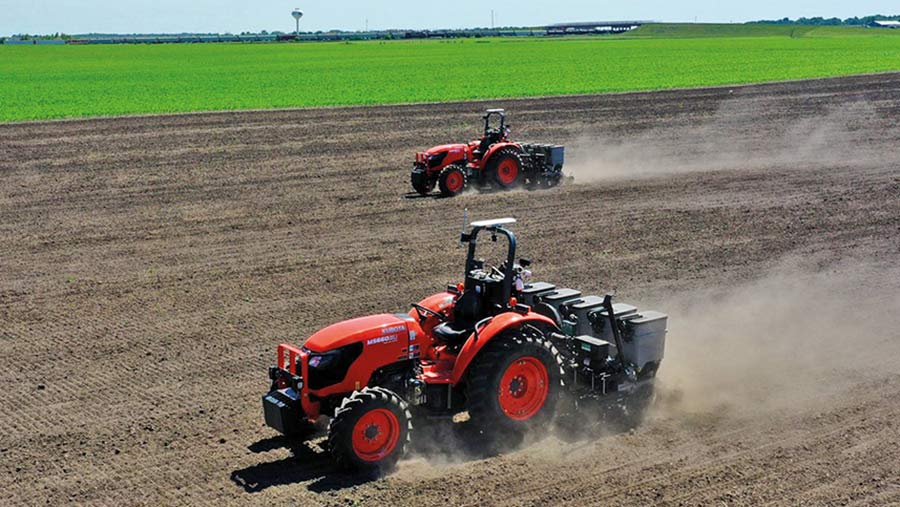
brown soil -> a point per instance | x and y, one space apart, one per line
149 266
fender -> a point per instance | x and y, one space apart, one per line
497 147
453 157
494 328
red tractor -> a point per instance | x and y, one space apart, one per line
493 345
492 161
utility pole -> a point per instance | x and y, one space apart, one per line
492 19
367 25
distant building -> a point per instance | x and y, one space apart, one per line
593 27
884 24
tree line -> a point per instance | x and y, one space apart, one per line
854 21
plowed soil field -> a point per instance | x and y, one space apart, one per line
149 266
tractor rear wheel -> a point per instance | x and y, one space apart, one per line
420 181
505 168
370 431
515 382
452 180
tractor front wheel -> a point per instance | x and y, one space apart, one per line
370 431
420 181
452 180
515 383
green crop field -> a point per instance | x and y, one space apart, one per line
43 82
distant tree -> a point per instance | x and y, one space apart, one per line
820 21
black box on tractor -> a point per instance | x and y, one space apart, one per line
591 351
546 155
581 309
645 337
282 411
560 297
535 290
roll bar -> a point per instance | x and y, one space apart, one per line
487 118
495 227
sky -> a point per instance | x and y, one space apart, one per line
235 16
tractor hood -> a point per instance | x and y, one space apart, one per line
446 147
371 330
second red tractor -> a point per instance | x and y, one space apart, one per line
493 161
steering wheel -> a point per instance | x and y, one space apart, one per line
426 311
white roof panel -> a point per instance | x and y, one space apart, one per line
495 222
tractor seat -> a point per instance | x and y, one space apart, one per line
449 333
466 312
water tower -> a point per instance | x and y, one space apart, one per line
297 13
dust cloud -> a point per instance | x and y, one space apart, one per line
786 341
732 138
789 339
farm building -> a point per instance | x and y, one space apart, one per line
593 27
884 24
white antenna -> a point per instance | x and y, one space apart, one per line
297 14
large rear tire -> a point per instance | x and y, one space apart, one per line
505 169
452 180
515 382
370 431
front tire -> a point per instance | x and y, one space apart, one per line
370 431
452 180
420 181
515 383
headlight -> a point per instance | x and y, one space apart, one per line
436 159
324 361
329 368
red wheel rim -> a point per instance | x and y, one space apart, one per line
375 434
508 172
454 181
524 388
